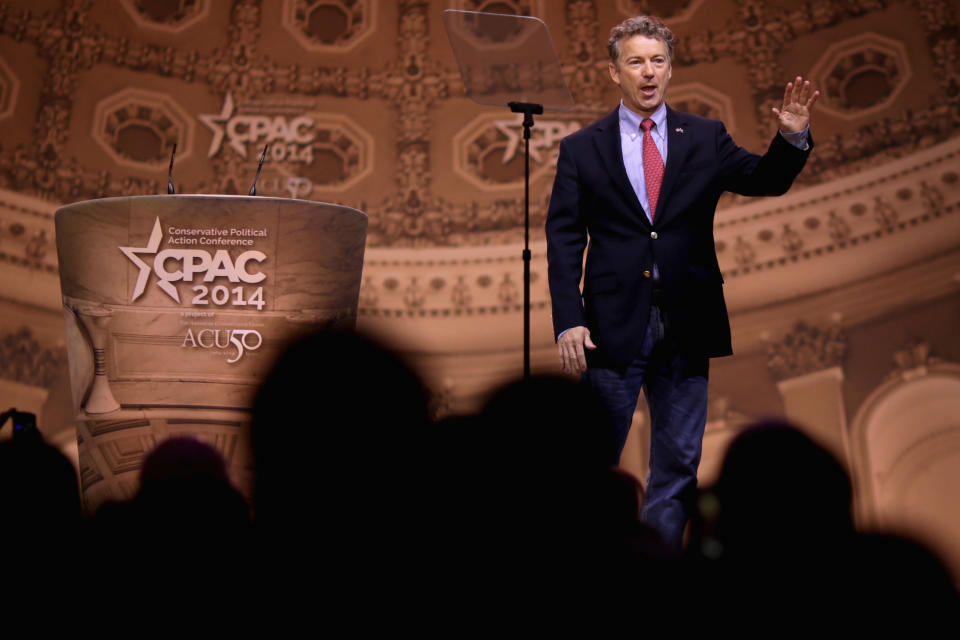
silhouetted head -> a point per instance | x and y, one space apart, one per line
548 423
777 487
184 485
39 495
182 459
540 464
338 428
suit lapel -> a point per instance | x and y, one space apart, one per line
678 146
607 140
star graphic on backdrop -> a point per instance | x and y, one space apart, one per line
152 245
511 131
212 121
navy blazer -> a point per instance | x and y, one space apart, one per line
592 198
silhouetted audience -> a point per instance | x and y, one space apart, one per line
345 465
185 534
782 539
39 505
366 500
781 492
185 487
545 485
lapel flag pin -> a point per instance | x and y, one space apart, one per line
678 130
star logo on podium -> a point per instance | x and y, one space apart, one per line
143 277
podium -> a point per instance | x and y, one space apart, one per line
176 306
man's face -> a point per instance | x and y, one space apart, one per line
643 73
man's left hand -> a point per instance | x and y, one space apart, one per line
794 114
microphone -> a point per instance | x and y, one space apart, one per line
263 156
173 154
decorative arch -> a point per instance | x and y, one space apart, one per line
329 26
905 452
671 11
137 128
702 100
9 90
172 16
861 75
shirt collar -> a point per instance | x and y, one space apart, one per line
630 120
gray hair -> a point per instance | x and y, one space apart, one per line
639 26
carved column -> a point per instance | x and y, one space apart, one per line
808 367
96 320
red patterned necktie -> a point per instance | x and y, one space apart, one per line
652 166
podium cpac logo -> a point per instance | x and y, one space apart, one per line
243 339
187 265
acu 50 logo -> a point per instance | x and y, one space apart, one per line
242 339
186 265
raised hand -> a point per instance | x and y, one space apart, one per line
794 114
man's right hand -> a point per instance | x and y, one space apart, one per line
571 345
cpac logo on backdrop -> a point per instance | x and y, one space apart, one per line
243 339
289 140
186 265
545 136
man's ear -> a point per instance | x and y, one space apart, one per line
614 73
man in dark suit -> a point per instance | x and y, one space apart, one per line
642 184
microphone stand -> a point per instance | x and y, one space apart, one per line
530 55
263 156
528 109
173 154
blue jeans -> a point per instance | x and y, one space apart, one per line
676 389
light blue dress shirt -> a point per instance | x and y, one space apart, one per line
631 144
